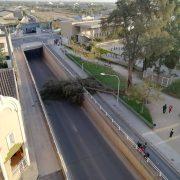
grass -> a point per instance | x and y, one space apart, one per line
178 66
138 108
95 70
173 89
111 82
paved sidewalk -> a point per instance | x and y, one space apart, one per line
152 136
159 136
164 122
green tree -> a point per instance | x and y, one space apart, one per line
145 92
134 20
162 47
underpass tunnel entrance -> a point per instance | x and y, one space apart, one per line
34 53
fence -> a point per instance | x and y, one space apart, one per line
162 80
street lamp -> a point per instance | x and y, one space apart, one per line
82 66
113 75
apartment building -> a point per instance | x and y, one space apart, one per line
14 156
83 31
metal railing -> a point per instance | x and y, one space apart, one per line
127 137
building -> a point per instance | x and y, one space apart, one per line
82 31
14 156
6 46
10 17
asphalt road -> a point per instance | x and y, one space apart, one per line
86 154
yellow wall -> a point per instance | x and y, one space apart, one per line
9 123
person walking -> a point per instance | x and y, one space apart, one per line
164 108
171 133
170 108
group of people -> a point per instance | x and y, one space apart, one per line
169 108
142 149
165 107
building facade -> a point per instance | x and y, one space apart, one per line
14 156
83 31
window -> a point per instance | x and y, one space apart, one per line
10 140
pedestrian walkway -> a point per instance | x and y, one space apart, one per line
159 136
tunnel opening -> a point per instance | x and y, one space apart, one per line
34 53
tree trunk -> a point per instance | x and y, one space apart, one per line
144 66
130 71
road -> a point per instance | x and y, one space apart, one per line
86 153
42 37
155 156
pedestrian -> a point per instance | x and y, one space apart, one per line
170 108
171 133
164 108
146 155
145 145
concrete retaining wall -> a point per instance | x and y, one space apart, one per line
54 64
109 133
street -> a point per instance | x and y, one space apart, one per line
86 153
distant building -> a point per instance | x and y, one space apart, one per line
83 31
14 156
10 16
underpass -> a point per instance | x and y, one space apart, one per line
86 153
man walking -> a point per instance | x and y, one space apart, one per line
164 108
171 133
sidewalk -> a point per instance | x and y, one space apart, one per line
159 136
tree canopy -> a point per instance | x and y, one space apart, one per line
141 24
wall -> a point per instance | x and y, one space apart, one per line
9 122
53 64
66 29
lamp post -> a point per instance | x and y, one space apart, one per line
82 66
113 75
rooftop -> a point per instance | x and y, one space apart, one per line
89 24
8 83
4 13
